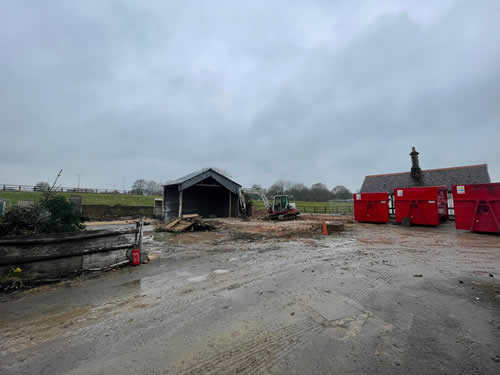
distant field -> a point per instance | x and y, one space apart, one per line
141 200
316 207
101 199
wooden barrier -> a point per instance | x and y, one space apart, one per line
55 256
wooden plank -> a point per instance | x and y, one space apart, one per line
17 254
57 268
62 237
190 216
172 223
181 226
48 269
102 260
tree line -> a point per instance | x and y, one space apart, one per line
147 187
318 192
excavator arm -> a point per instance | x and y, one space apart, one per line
249 193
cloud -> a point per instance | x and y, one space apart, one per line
306 92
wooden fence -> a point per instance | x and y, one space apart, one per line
347 210
27 188
51 257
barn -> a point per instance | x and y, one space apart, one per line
206 192
461 175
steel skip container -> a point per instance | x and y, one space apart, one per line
421 205
371 207
477 207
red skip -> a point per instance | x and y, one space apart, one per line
477 207
422 205
371 207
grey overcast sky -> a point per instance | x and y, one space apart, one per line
307 91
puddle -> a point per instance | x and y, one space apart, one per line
130 284
220 271
43 324
196 279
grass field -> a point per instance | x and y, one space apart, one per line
141 200
315 207
101 199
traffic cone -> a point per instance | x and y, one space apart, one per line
325 231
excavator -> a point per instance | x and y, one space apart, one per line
279 209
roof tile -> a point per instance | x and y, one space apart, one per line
472 174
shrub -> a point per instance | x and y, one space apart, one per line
53 214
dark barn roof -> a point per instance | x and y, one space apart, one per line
196 177
472 174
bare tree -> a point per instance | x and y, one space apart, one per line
139 187
153 188
147 187
279 187
42 186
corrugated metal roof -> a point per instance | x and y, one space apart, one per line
471 174
198 176
183 178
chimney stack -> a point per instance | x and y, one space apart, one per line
416 172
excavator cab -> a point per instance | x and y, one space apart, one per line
280 204
282 208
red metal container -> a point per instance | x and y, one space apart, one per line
477 207
421 205
371 207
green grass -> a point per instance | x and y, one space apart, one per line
141 200
100 199
315 207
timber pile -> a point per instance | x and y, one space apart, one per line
188 222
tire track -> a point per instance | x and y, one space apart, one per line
383 278
266 365
320 327
258 352
362 294
184 300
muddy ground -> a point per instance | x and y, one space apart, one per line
277 298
